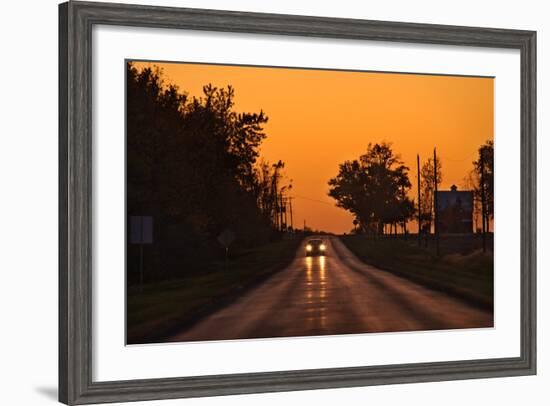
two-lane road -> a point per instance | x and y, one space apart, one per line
335 294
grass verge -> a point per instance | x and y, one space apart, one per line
466 275
162 309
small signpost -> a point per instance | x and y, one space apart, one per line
225 239
141 232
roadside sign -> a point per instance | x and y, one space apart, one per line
141 229
141 232
226 237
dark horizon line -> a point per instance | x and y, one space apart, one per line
127 60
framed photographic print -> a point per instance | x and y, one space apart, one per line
257 202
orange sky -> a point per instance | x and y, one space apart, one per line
319 118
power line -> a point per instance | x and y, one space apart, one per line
314 200
446 158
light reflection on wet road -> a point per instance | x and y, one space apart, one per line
316 293
334 294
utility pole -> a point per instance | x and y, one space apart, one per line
285 205
281 209
290 208
419 206
275 197
436 207
483 202
404 224
276 209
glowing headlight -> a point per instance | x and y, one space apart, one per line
309 247
322 247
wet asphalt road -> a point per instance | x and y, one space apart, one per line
335 294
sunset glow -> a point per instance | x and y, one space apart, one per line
320 118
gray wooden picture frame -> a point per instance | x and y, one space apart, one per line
76 20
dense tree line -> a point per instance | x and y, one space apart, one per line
374 189
192 164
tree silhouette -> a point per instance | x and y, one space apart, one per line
471 182
484 170
374 189
192 165
427 187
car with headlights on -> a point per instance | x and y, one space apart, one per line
315 247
